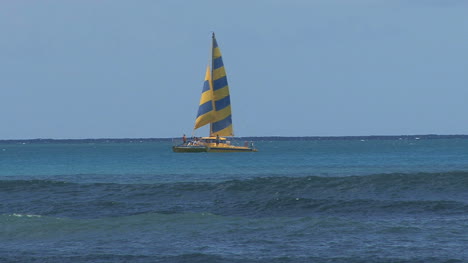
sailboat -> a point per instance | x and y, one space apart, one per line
214 110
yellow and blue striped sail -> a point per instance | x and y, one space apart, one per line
206 112
222 125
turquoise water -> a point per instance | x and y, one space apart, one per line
151 162
333 200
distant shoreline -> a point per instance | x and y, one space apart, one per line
250 138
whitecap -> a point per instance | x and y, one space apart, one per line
24 215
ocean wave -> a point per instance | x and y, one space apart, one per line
206 237
299 196
454 178
310 207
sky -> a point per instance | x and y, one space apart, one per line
135 69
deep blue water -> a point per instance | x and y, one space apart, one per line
376 200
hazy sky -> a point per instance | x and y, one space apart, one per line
135 69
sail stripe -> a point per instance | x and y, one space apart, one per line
220 83
216 53
206 86
204 120
221 125
221 93
205 108
225 132
219 73
222 103
217 63
205 97
222 114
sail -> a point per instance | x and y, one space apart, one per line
222 124
206 113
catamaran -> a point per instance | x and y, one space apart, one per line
214 109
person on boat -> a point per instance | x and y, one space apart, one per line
217 139
184 139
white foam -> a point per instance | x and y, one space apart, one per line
21 215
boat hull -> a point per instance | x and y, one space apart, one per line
198 149
189 149
231 149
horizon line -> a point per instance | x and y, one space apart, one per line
240 137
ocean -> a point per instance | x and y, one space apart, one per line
353 199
